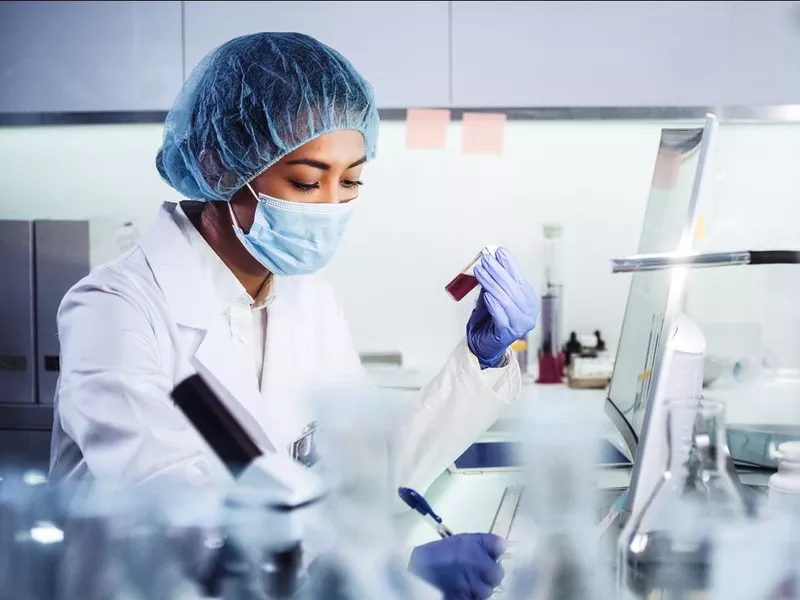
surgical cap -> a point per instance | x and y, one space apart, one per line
252 101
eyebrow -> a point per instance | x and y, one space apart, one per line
322 166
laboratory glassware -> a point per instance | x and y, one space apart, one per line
551 358
667 546
463 283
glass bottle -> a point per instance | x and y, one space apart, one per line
667 546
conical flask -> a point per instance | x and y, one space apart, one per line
667 547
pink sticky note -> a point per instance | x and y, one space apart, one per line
668 164
427 128
483 133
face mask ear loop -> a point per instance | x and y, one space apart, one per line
230 208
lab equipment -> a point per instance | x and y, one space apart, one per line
507 309
600 343
462 566
652 262
555 547
551 359
17 336
463 283
293 238
252 101
417 502
656 297
62 259
682 377
669 543
784 485
271 494
573 347
742 369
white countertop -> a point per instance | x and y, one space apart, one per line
468 502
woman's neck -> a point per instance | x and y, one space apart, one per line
213 221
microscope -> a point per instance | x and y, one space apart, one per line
261 555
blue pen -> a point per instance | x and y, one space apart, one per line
416 502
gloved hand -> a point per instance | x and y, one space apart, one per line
462 567
506 311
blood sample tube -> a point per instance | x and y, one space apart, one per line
463 283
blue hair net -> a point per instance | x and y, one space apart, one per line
252 101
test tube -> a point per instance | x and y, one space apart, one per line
463 283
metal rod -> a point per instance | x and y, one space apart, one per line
657 262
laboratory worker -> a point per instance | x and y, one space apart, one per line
266 142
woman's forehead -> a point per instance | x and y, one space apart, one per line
344 146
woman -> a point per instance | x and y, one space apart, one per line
267 142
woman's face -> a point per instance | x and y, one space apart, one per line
325 170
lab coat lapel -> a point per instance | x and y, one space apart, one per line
194 308
217 359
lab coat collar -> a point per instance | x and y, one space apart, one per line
178 271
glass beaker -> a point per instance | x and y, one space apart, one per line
667 546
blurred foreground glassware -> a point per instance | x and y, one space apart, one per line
360 441
116 546
667 547
31 537
556 553
757 559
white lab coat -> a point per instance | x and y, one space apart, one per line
134 328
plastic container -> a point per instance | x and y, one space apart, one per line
784 485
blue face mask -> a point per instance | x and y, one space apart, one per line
293 238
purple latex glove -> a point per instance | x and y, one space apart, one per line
506 311
462 567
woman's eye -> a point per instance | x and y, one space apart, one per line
305 187
352 184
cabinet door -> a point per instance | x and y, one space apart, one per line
766 52
400 47
89 56
591 53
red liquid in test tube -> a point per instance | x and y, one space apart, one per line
463 283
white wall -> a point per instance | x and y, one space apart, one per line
424 214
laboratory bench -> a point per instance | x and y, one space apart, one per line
469 502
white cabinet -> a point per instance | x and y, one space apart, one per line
668 53
766 51
89 56
400 47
